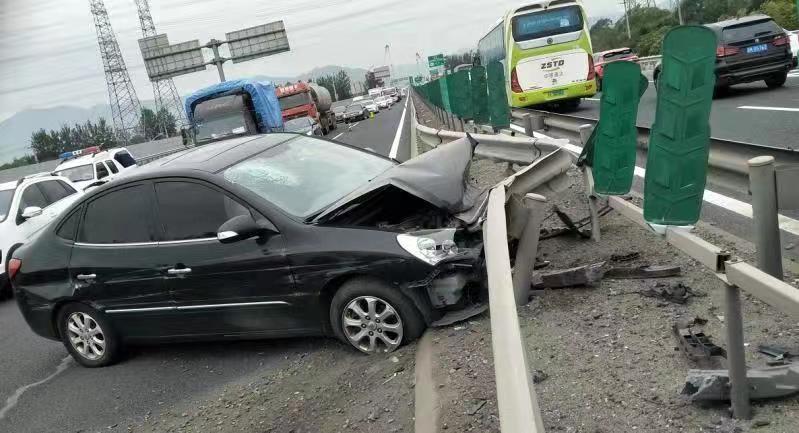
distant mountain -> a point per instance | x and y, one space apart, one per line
15 132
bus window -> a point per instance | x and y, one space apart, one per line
547 23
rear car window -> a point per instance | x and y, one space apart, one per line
80 173
5 203
32 196
122 216
55 190
748 31
112 167
192 211
547 23
124 159
102 171
68 227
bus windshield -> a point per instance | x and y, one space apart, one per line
547 23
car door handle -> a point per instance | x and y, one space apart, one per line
181 271
86 277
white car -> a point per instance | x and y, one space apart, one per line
88 166
384 102
370 105
26 207
793 36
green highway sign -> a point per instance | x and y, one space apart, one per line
435 61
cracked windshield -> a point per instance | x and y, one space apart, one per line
391 216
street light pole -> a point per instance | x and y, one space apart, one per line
679 10
627 18
218 61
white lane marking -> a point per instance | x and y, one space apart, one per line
744 209
592 99
336 137
356 124
395 145
12 401
755 107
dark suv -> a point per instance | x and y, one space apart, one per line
749 49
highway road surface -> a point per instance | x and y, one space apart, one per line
43 390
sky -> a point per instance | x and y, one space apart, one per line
51 58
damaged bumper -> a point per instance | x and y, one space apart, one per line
456 281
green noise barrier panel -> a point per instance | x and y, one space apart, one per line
498 109
611 149
676 167
460 94
479 95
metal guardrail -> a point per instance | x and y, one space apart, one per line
512 212
728 158
649 63
148 159
516 397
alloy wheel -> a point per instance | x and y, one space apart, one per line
86 336
372 324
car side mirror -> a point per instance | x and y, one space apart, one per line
31 212
241 228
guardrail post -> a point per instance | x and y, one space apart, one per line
736 355
532 123
588 180
763 185
528 248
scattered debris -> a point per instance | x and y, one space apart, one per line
760 423
571 227
587 275
539 376
640 272
476 406
673 292
769 382
695 344
453 317
541 264
618 258
779 356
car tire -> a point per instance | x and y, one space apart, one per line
90 340
721 91
599 84
777 80
397 321
5 291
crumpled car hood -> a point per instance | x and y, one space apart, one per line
439 176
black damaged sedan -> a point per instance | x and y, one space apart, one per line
276 235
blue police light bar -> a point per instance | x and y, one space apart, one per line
77 153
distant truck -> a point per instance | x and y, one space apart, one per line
307 100
373 93
231 109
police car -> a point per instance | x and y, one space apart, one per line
86 167
26 207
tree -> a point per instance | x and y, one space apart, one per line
49 145
149 123
19 162
166 120
783 12
454 60
604 36
343 85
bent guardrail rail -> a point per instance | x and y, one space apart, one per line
516 397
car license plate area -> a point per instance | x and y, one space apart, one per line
757 49
556 93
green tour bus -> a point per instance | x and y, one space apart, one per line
545 47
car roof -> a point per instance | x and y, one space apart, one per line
29 179
214 157
89 159
738 21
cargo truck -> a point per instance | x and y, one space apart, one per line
231 109
307 100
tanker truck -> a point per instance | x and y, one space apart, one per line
307 100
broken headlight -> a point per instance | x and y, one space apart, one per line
429 246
